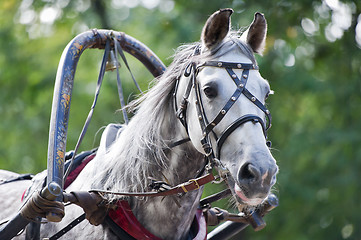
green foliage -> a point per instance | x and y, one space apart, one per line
312 61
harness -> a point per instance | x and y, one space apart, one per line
120 218
207 127
213 154
109 41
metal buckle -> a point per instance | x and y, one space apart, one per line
190 181
195 181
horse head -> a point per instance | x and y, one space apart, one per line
226 115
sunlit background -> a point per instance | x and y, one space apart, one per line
312 60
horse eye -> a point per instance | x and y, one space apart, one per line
267 95
210 92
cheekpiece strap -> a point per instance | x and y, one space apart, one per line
230 65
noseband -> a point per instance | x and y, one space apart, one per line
207 127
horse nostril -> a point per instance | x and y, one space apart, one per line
249 172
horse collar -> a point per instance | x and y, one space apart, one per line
125 225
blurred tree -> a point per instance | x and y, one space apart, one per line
313 62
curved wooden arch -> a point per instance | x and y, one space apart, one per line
64 85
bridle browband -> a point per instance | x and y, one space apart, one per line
207 127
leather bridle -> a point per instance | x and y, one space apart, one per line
207 127
212 157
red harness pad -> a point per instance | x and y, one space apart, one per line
74 174
124 218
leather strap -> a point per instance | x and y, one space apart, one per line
179 142
240 88
121 53
26 176
95 212
117 230
191 185
68 227
234 126
207 127
38 206
260 106
120 87
90 114
230 65
215 197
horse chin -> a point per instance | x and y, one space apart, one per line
242 199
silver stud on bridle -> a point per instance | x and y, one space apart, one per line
206 126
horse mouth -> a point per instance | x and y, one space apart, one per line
241 197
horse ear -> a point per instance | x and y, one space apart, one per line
255 35
216 28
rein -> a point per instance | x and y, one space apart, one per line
164 189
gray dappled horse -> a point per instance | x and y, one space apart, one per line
126 160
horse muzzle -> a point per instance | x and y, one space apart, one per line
254 182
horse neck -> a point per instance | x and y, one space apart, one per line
141 152
173 165
179 164
171 217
